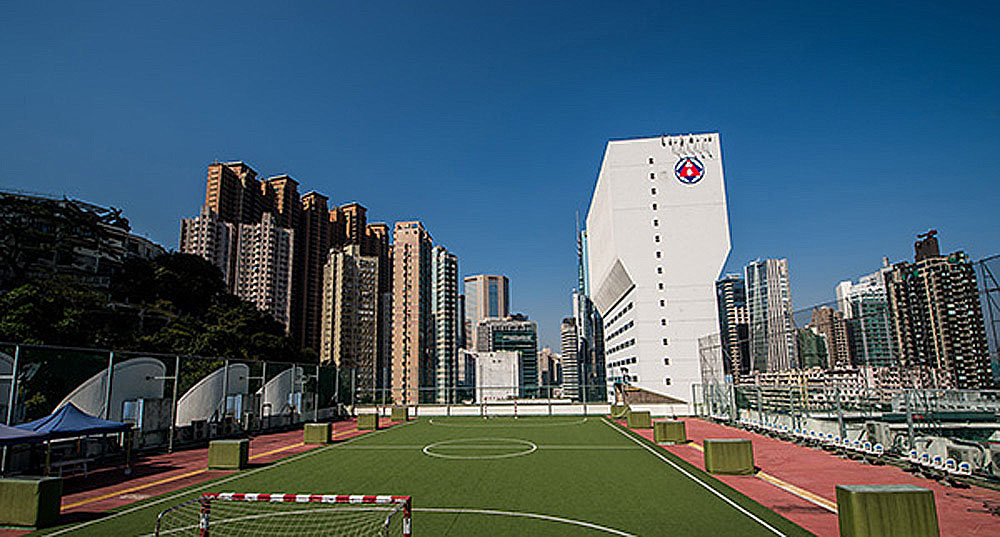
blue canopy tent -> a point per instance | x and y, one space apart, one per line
69 421
10 436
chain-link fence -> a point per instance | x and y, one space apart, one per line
171 400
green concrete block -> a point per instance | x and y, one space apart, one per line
400 413
316 433
673 431
30 501
639 420
728 456
619 411
228 454
886 510
367 422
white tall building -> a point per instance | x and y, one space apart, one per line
213 240
264 267
658 236
444 309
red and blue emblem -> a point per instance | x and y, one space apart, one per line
689 170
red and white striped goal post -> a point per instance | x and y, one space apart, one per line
208 497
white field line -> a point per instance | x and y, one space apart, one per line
690 476
582 447
506 423
227 479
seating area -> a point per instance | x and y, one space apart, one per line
852 448
944 467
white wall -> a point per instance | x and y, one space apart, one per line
693 226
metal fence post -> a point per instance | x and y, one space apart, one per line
316 397
840 414
11 401
173 404
909 418
110 380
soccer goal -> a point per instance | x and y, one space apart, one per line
234 514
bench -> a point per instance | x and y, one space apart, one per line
71 463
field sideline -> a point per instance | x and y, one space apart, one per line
558 476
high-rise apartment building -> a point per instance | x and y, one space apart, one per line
734 328
444 310
412 324
865 307
234 193
938 320
773 339
590 367
569 343
355 223
830 323
377 245
350 327
314 239
486 296
213 240
514 333
264 267
657 238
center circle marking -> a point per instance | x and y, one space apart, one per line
527 448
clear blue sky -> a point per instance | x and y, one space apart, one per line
846 129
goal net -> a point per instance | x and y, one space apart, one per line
234 514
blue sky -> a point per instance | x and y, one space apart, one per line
846 129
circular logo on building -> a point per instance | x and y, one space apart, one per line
689 170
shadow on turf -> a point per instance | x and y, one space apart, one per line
114 475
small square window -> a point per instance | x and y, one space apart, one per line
650 160
666 361
663 322
654 206
656 222
663 303
659 270
661 286
659 254
656 238
652 175
666 341
667 381
652 191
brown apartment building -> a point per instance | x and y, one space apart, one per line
412 323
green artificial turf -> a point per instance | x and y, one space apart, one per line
583 469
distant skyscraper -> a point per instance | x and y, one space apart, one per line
264 267
831 325
657 238
349 328
515 333
412 323
486 296
570 363
938 320
213 240
865 307
444 309
355 223
773 339
549 370
731 300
